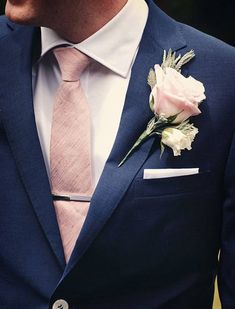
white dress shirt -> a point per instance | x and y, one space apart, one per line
113 49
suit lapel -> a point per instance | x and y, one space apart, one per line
114 181
18 119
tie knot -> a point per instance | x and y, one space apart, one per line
72 63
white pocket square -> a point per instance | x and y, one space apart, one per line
169 172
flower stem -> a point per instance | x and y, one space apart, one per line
139 141
155 127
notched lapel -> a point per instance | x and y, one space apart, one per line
16 103
115 181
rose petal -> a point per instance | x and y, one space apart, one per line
175 93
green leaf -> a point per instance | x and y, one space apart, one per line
173 118
170 60
152 78
162 149
151 104
164 56
185 59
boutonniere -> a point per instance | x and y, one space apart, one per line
173 100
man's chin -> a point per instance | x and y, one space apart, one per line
19 15
19 20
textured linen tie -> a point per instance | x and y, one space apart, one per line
70 161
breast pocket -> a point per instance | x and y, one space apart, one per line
191 184
188 199
179 213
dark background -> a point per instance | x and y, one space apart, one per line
215 17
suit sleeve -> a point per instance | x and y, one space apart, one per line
226 276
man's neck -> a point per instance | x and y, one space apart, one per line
87 18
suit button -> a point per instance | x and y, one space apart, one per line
60 304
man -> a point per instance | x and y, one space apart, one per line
145 243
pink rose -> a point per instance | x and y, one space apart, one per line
174 93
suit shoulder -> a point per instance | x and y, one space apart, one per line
207 44
214 65
5 26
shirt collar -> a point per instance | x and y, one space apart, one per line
114 45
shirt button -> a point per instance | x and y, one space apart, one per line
60 304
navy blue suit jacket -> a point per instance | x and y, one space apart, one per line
145 243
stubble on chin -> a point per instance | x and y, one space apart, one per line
20 12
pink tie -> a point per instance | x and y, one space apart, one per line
70 160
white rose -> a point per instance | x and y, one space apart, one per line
178 140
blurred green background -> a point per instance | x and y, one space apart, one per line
215 17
